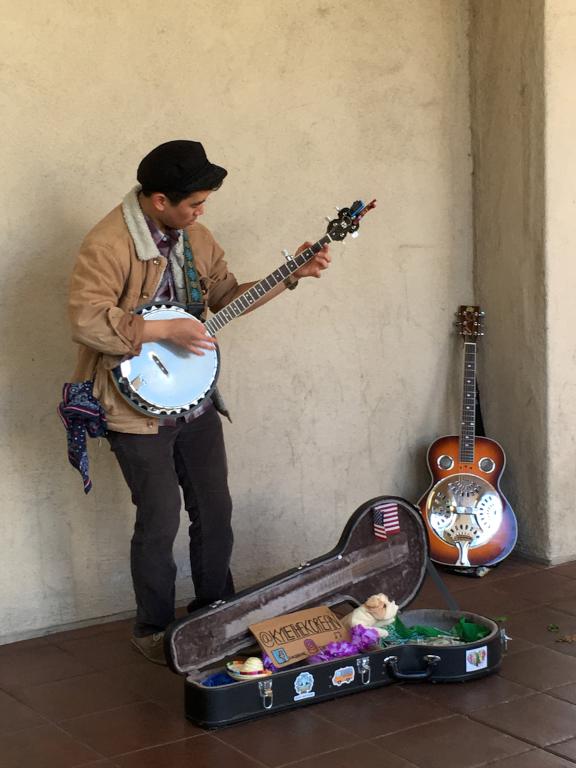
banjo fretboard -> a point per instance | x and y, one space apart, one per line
246 300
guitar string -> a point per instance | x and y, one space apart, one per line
243 302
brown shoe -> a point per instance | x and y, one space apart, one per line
151 646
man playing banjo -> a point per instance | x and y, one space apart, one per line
152 248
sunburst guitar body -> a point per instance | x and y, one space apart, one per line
469 520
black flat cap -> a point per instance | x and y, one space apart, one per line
179 166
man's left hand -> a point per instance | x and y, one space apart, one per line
319 262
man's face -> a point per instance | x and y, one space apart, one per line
185 212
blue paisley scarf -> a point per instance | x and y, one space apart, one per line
81 414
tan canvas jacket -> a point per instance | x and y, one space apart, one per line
109 281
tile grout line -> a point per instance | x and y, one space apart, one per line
239 751
279 765
180 741
548 748
499 760
59 723
50 720
479 765
399 730
111 709
498 729
99 755
322 754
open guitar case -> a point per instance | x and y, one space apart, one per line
360 565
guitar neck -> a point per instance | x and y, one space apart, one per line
468 420
246 300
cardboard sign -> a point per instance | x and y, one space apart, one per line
295 636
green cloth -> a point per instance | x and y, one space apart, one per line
464 630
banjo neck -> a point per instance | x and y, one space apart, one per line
247 299
164 381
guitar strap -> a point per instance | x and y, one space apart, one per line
479 422
194 303
441 586
195 306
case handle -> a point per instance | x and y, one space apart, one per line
392 663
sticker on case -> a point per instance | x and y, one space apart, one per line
477 659
343 676
303 686
280 656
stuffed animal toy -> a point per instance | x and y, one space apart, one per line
377 612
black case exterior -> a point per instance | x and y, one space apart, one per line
357 567
217 707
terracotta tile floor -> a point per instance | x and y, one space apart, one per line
86 698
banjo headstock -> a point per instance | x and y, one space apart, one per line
348 220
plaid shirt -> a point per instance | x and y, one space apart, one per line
165 242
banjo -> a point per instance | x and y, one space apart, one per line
168 380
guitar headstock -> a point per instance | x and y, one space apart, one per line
470 322
348 220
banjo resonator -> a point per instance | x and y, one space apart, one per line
164 379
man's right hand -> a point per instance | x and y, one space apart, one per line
186 332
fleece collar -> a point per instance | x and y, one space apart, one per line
143 241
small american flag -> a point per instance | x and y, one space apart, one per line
385 519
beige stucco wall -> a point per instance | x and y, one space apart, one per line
507 96
560 46
523 57
337 388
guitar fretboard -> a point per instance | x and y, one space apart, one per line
468 421
259 290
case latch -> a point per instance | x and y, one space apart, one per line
363 666
266 693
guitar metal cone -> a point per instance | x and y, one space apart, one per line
464 511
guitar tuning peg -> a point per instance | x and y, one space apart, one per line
328 219
354 234
337 209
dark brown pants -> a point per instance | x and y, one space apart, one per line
192 457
